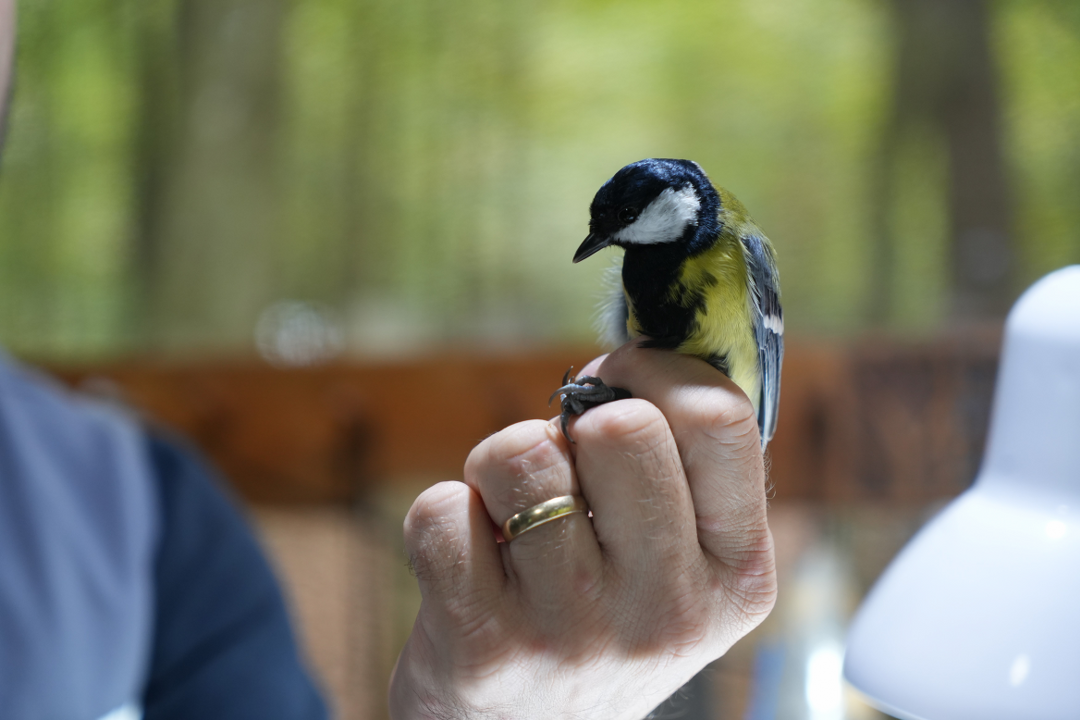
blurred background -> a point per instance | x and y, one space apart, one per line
305 232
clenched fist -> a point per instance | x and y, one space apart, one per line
592 617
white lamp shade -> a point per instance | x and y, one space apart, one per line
979 615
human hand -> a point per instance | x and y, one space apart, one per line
602 617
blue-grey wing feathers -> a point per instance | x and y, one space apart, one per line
768 329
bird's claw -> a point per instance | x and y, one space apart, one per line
583 393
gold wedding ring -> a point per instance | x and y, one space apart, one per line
544 512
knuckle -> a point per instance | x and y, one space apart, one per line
471 616
433 507
521 466
682 615
631 421
515 450
749 575
686 630
725 416
431 527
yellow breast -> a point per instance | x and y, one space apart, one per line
722 322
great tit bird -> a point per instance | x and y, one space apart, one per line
698 277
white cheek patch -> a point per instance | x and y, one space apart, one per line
665 219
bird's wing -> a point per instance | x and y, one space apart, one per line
768 328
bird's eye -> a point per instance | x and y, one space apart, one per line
627 215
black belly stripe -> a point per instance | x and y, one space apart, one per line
650 274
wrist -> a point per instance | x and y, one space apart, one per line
420 690
411 697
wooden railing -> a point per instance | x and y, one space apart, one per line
873 420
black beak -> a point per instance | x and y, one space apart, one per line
593 244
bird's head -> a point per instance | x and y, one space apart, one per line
652 202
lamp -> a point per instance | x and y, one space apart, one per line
979 615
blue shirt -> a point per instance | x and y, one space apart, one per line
128 583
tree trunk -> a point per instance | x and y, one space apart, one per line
946 86
209 173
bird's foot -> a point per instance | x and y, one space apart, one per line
580 394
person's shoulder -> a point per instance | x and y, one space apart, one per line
79 523
85 448
34 397
74 455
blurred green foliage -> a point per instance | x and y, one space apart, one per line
424 169
1039 47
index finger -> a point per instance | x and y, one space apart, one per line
715 429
